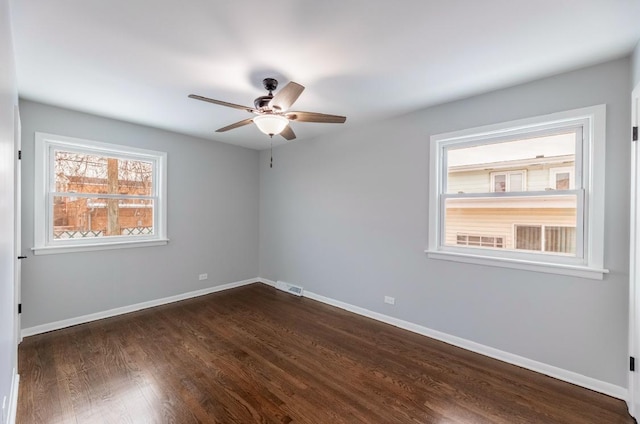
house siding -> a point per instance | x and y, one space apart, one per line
501 222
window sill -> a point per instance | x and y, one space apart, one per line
52 250
546 267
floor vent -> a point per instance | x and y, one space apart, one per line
289 288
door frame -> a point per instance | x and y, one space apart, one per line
633 401
17 230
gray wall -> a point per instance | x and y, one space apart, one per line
345 216
8 99
212 223
635 66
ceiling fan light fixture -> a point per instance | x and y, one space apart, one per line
271 124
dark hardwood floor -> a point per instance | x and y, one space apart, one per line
257 355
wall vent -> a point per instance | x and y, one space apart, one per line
289 288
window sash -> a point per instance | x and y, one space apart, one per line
580 178
50 236
483 139
581 137
115 154
581 230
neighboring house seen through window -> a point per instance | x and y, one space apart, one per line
547 172
92 195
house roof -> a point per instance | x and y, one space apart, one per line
137 60
515 164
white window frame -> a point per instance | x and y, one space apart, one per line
590 172
45 188
507 180
561 170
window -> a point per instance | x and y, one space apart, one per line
92 195
548 172
508 181
561 178
477 240
544 238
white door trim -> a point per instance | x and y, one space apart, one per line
633 402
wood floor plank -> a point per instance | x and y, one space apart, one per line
257 355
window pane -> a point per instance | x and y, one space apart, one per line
528 238
499 183
474 240
563 181
86 173
487 241
469 169
515 182
513 223
79 217
560 239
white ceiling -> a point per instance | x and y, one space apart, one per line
137 60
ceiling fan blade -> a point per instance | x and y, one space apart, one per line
315 117
288 133
236 125
284 98
221 103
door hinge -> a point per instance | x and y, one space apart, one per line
19 154
632 363
19 308
635 133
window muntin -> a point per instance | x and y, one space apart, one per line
97 195
584 199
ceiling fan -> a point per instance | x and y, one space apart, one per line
273 116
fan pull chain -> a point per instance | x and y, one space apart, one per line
271 164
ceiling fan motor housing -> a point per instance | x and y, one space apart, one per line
270 84
262 102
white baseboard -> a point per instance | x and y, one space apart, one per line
550 370
267 282
38 329
13 398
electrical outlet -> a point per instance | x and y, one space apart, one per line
202 277
390 300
